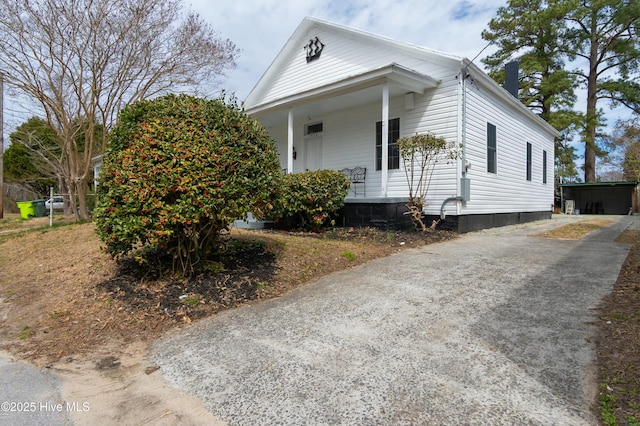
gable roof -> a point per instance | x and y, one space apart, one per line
408 78
297 39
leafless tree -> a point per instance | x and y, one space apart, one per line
624 148
84 60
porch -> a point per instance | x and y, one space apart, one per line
346 125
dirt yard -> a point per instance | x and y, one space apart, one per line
618 357
66 305
66 297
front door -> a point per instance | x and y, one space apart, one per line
313 151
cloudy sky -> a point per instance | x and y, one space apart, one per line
260 28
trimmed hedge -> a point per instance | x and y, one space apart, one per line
310 199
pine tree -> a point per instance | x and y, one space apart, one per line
528 31
604 35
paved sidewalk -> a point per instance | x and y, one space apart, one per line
491 328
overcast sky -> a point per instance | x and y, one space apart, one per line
260 28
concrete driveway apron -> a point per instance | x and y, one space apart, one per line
30 395
491 328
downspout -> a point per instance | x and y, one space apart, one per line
463 138
442 213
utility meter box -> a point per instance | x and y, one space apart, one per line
465 188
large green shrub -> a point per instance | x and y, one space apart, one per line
311 198
178 170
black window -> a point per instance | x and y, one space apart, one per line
528 161
544 166
314 128
491 149
394 152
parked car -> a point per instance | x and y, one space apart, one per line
58 203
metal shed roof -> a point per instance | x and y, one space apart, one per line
598 184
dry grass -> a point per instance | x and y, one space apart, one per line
618 359
618 343
51 304
12 223
53 301
575 231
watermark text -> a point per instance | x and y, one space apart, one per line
43 406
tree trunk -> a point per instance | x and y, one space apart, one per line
591 124
67 195
81 190
589 163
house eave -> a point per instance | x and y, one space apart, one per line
507 97
309 23
408 79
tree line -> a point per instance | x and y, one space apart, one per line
564 45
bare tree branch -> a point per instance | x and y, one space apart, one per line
82 61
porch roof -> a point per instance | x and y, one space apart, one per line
355 90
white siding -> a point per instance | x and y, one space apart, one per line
437 112
507 190
349 134
349 140
341 58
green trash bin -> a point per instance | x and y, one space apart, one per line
39 208
26 209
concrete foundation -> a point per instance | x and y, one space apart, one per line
390 214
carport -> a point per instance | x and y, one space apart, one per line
602 197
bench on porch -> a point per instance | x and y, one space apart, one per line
357 176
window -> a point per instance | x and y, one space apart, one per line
528 161
492 165
394 152
313 129
544 166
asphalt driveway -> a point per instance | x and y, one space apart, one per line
491 328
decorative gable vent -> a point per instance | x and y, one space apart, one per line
314 49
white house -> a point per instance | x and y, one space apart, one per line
336 97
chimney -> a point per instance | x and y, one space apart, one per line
511 78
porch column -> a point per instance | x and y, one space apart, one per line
290 141
385 139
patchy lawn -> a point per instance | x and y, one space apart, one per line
575 231
618 340
60 295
